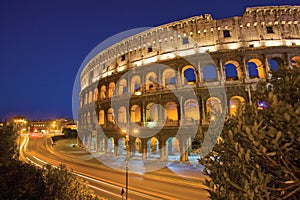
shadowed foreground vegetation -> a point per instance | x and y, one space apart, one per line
19 180
259 156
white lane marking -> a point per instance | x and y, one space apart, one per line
34 162
40 160
105 191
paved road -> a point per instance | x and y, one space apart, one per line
107 182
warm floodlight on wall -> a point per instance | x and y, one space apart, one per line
138 93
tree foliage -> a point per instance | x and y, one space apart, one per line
62 184
69 133
19 180
8 146
259 157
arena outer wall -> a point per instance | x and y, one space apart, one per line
243 50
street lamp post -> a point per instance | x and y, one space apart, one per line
126 179
126 162
128 155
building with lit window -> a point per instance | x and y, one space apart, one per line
20 123
51 126
39 126
243 51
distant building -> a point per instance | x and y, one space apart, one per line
51 126
39 126
68 123
20 123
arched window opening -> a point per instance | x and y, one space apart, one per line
135 113
252 68
110 115
91 75
169 77
84 121
135 84
80 122
93 142
122 146
90 99
122 87
189 75
172 113
235 103
96 94
255 68
101 117
152 112
173 81
103 92
138 146
111 88
172 149
94 117
275 64
232 70
101 142
151 81
122 118
88 117
153 148
191 111
210 73
213 108
136 87
110 145
85 98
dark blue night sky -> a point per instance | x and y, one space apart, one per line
43 43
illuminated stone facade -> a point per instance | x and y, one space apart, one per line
243 50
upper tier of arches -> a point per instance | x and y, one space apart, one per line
259 27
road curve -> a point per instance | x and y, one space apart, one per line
108 182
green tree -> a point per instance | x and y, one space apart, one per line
63 185
259 157
8 146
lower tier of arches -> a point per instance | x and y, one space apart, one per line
163 147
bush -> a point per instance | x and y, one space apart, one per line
8 146
62 184
20 180
69 133
259 157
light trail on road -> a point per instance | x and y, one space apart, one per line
140 187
